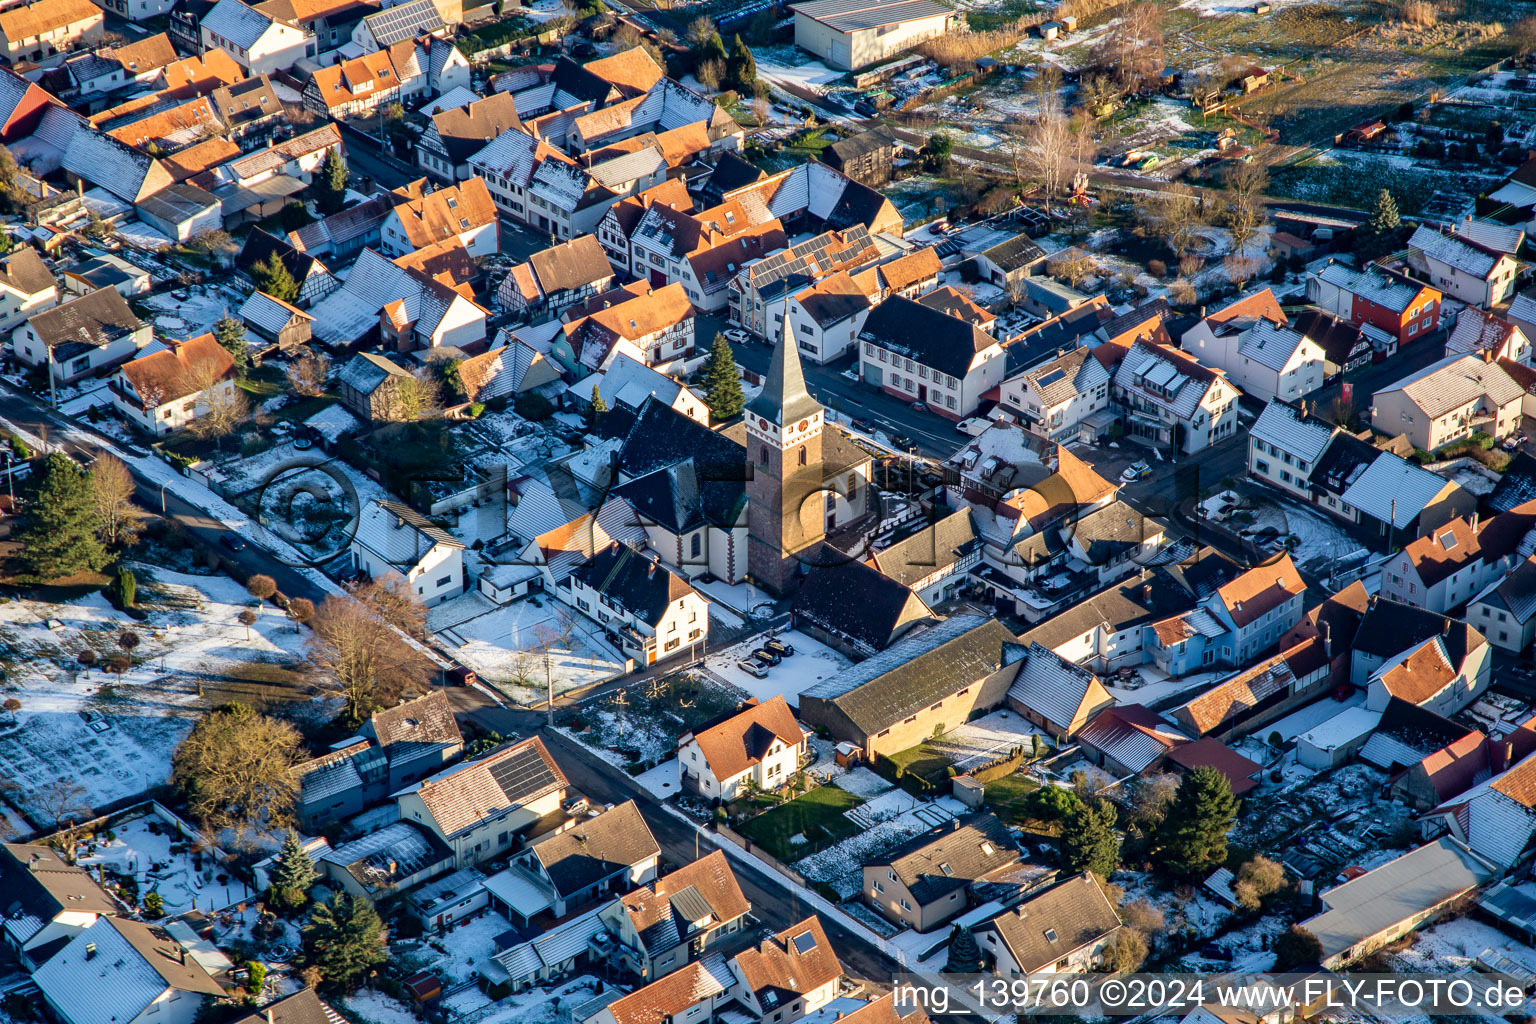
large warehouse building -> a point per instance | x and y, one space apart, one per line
850 34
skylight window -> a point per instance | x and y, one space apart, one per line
1050 935
946 869
986 848
1448 540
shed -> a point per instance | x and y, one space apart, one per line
1335 741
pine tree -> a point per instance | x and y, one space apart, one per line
1088 840
964 954
713 49
331 183
740 67
293 874
1381 233
272 277
230 333
598 406
58 532
345 940
722 384
1192 839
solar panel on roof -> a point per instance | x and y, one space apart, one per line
522 773
1051 378
804 943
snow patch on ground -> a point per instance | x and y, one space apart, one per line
146 854
811 663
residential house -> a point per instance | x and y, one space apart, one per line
1127 739
48 902
826 318
463 211
866 157
1444 673
1363 485
1448 400
934 563
343 235
1170 399
557 277
81 337
534 183
793 973
331 22
389 860
409 309
1242 703
280 323
37 31
1007 264
1505 612
628 383
1463 269
688 995
811 197
1496 818
417 737
928 682
372 385
166 390
1234 622
1254 344
1488 336
757 746
1382 905
477 808
338 784
128 971
655 612
679 918
456 134
1242 774
925 882
1346 347
856 608
27 286
394 541
1284 447
654 326
1463 762
1056 694
400 22
1062 930
760 292
353 87
610 852
954 362
1403 309
260 43
180 210
106 271
1446 567
250 110
1058 399
1388 631
314 279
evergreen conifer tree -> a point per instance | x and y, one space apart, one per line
272 277
331 183
58 532
964 954
345 940
229 332
722 384
293 874
1382 232
740 67
1088 840
1192 839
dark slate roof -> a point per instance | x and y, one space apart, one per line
917 671
416 727
1337 337
925 335
1018 251
1106 534
855 601
577 263
731 173
303 1007
1516 486
856 146
1050 925
1345 458
1133 603
464 131
951 857
1389 628
663 437
784 398
1205 572
91 321
571 77
1417 728
259 245
596 849
629 580
859 204
36 881
676 498
1142 313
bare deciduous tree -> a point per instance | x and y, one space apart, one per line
710 74
1172 215
1239 268
62 799
1256 879
306 374
761 110
358 653
420 395
234 768
121 521
1133 47
220 404
1049 154
1072 265
1246 183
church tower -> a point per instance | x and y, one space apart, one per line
786 509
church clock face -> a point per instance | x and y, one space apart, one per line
804 424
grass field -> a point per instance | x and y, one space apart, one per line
1006 796
926 762
818 816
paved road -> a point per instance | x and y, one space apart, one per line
36 418
774 901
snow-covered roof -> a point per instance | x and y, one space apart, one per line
627 381
1283 427
1504 238
113 970
1455 381
1165 378
1374 284
375 282
1343 728
399 534
236 22
1270 345
1453 252
518 890
268 313
1054 687
1393 489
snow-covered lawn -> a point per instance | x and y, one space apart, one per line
841 865
373 1007
190 638
142 847
551 1005
862 782
203 307
812 662
665 780
1453 945
503 644
457 955
985 739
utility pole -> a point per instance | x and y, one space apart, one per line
549 688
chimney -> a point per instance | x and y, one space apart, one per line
1500 751
394 865
650 573
269 1015
1328 639
1202 312
90 950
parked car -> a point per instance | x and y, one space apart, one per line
1513 442
779 647
752 668
863 426
233 542
763 654
736 335
920 406
901 442
1136 471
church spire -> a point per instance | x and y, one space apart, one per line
784 399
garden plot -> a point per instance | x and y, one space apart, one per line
552 1005
1452 946
840 866
811 663
638 727
196 314
505 645
113 734
862 783
456 956
975 743
162 860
